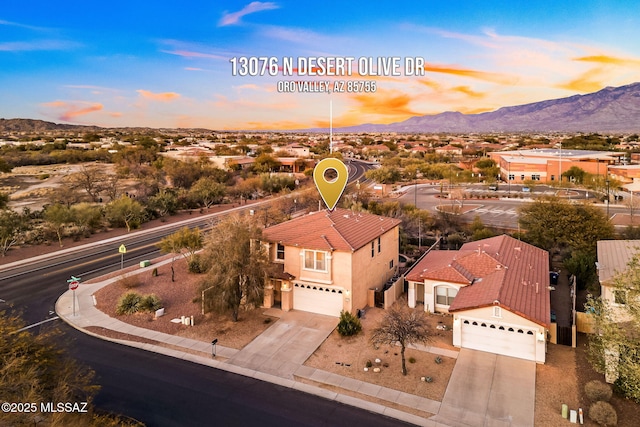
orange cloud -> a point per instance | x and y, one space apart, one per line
383 102
468 91
73 110
475 74
590 81
608 60
160 97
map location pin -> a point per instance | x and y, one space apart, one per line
330 188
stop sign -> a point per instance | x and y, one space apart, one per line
74 285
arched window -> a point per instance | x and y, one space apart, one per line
445 295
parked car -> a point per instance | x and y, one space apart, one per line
493 187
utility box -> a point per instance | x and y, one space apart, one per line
146 263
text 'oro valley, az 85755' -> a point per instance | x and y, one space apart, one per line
323 66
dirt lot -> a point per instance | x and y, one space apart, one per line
180 298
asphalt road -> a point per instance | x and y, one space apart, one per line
164 391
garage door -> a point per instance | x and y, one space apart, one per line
500 339
317 299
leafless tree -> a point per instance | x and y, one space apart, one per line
404 326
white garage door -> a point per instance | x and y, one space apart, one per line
500 339
317 299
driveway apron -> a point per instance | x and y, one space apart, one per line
285 346
486 389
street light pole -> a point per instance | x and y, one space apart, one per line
607 183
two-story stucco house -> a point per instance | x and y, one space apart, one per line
327 261
497 290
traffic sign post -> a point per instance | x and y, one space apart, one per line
74 282
122 250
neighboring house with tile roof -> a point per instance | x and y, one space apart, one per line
497 290
328 261
614 257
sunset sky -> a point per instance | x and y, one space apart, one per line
166 64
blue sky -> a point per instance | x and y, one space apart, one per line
166 64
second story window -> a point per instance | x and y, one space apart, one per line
315 260
280 252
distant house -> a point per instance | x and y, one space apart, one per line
497 290
326 262
449 150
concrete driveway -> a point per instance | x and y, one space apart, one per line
284 346
486 389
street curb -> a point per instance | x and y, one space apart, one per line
238 370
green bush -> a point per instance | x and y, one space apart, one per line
628 388
129 303
597 390
603 414
150 303
349 324
368 364
196 265
412 360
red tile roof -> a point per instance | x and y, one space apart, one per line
501 270
340 230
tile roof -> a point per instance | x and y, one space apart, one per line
501 268
614 257
340 230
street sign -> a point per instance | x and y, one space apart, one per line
74 285
122 249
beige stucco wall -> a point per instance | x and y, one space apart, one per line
429 295
353 272
372 272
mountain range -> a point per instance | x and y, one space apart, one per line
612 109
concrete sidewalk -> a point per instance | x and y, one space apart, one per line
247 361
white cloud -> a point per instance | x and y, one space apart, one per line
253 7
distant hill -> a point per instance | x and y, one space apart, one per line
612 109
30 125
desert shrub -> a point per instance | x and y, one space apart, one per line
438 360
628 388
129 303
349 324
597 390
196 265
412 360
129 282
603 413
368 364
150 303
